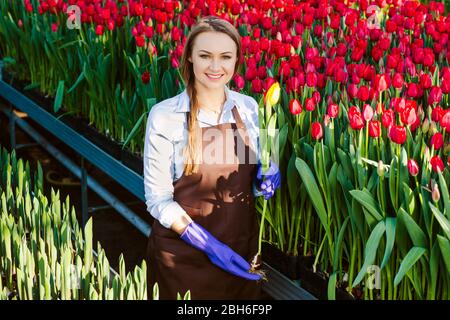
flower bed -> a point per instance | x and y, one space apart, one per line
44 254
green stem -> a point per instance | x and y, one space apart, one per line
261 227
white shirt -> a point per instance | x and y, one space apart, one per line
165 137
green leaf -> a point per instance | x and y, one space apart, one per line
31 86
408 262
135 129
293 179
409 200
434 265
416 234
77 82
167 85
366 199
445 195
370 251
390 239
444 223
444 245
59 96
155 292
392 181
332 286
314 193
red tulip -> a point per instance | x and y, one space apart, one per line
413 167
140 41
445 85
425 81
428 58
374 129
397 134
316 96
436 114
445 120
54 27
356 121
352 90
138 9
316 130
250 73
387 119
239 81
437 164
408 116
311 79
145 77
333 110
99 30
437 140
310 104
435 95
380 82
397 81
295 107
363 93
367 112
412 90
257 86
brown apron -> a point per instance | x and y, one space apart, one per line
218 197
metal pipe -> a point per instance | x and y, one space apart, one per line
129 215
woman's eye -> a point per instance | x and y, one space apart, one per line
205 56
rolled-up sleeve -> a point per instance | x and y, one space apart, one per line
158 169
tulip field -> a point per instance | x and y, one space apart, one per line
358 91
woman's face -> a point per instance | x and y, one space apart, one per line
214 58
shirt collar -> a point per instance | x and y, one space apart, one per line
183 103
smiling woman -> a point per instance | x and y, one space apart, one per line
214 66
206 229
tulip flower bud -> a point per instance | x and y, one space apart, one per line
326 120
413 167
425 125
273 94
380 168
433 128
447 148
435 194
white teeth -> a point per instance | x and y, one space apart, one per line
215 77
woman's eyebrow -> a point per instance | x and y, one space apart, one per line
210 52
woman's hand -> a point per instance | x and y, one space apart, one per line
180 224
270 181
219 253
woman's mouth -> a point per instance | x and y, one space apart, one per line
214 76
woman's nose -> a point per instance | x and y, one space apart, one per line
215 65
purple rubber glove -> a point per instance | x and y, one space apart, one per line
219 253
270 181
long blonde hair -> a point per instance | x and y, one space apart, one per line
210 23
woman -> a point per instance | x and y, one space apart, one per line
205 230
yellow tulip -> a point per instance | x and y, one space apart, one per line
273 94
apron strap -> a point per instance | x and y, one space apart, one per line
237 117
